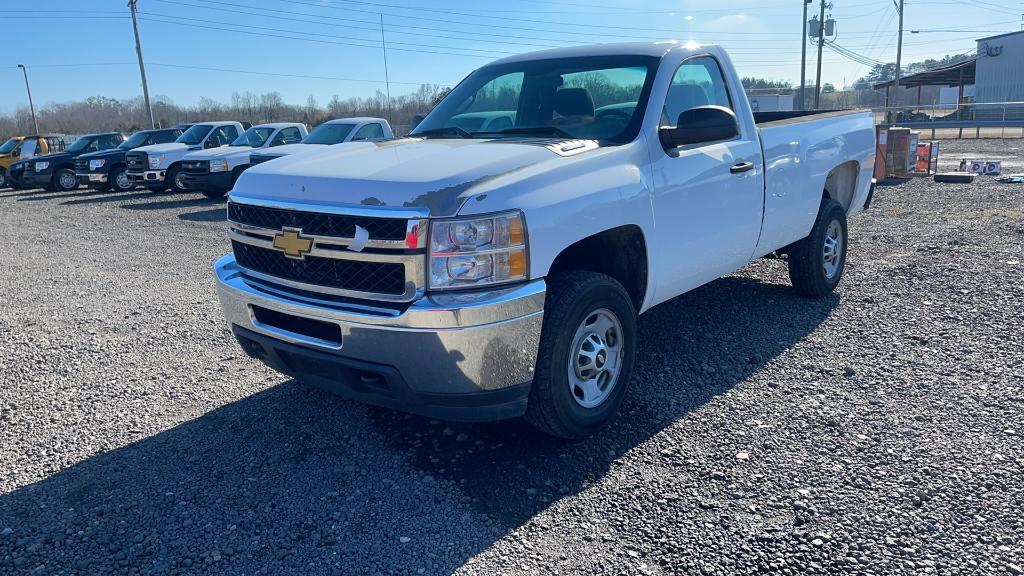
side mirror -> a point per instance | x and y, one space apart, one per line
699 125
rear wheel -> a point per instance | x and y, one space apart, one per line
64 180
816 263
4 183
587 348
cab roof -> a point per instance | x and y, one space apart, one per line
657 49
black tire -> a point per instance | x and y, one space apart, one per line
4 180
171 180
807 258
573 298
119 174
62 179
213 193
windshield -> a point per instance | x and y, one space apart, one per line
194 135
594 97
134 141
254 137
9 145
79 145
329 134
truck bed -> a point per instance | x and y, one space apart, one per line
790 116
800 150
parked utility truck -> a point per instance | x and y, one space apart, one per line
158 166
213 172
331 132
485 275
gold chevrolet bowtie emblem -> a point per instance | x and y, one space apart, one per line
293 243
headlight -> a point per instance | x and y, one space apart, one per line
94 164
478 251
155 162
40 166
218 165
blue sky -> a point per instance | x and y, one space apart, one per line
196 48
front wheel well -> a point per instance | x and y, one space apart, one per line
619 252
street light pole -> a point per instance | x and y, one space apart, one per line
803 57
899 58
821 44
31 106
142 66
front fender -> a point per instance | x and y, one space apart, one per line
579 197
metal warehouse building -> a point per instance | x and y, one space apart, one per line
999 76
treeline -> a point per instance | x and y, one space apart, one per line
100 114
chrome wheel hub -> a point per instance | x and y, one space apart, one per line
68 181
595 358
123 181
833 249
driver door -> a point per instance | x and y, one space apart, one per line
707 196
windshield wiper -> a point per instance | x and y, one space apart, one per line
537 131
444 131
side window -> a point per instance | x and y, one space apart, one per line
369 132
108 142
93 146
289 135
226 134
163 137
697 82
56 144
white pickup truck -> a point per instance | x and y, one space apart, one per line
213 171
486 275
158 166
332 132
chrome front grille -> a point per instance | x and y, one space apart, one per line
196 166
390 266
137 161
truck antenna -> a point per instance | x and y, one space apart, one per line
387 81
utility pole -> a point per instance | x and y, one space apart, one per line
31 106
387 82
899 56
803 57
821 45
142 66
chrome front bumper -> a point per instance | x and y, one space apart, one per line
445 349
148 176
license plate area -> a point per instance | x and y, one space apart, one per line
301 328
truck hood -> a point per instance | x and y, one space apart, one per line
438 175
54 157
221 152
287 149
162 148
104 154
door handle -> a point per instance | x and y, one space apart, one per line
741 167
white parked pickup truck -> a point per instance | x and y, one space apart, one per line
485 275
213 172
331 132
158 166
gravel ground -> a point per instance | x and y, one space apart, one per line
876 432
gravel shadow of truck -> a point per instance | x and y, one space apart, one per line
292 480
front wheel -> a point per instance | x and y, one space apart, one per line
587 348
3 180
816 263
176 180
120 181
64 180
